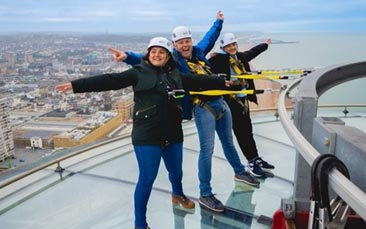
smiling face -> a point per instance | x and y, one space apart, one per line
231 49
158 56
184 46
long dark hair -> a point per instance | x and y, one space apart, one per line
170 65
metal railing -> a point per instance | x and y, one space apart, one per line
324 80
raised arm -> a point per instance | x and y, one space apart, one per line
210 38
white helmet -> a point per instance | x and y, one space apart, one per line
227 38
181 32
160 42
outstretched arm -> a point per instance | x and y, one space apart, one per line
130 58
256 50
118 55
63 87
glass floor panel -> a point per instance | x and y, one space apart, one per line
96 188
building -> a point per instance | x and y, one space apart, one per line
36 142
90 132
124 106
6 136
11 58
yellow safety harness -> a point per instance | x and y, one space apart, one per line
237 66
239 69
200 67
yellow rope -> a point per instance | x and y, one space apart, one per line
259 76
267 72
220 92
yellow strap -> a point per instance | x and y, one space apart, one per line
199 68
264 72
258 76
196 100
220 92
234 65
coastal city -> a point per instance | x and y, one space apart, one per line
38 121
232 115
34 116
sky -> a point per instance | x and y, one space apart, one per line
151 16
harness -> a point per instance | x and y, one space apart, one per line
237 66
199 67
203 104
239 69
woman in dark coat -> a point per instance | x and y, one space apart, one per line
157 130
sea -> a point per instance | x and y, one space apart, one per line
313 51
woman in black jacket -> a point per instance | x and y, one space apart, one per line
157 130
232 62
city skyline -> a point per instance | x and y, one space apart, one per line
125 16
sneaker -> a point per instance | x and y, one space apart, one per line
183 201
245 177
263 164
255 169
210 202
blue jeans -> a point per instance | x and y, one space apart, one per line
148 159
206 125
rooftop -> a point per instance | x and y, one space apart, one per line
92 185
96 188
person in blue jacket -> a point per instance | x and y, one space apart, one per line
157 118
211 112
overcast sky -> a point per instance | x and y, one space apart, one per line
134 16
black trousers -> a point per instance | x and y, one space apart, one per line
243 129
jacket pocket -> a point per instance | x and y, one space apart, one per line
146 113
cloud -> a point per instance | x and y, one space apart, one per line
160 15
148 13
300 25
61 19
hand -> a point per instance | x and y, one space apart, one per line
233 85
118 55
220 15
241 82
228 83
268 41
212 54
223 75
63 87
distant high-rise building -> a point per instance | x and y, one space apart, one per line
11 58
6 135
107 101
28 58
124 106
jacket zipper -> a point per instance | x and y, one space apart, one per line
145 109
